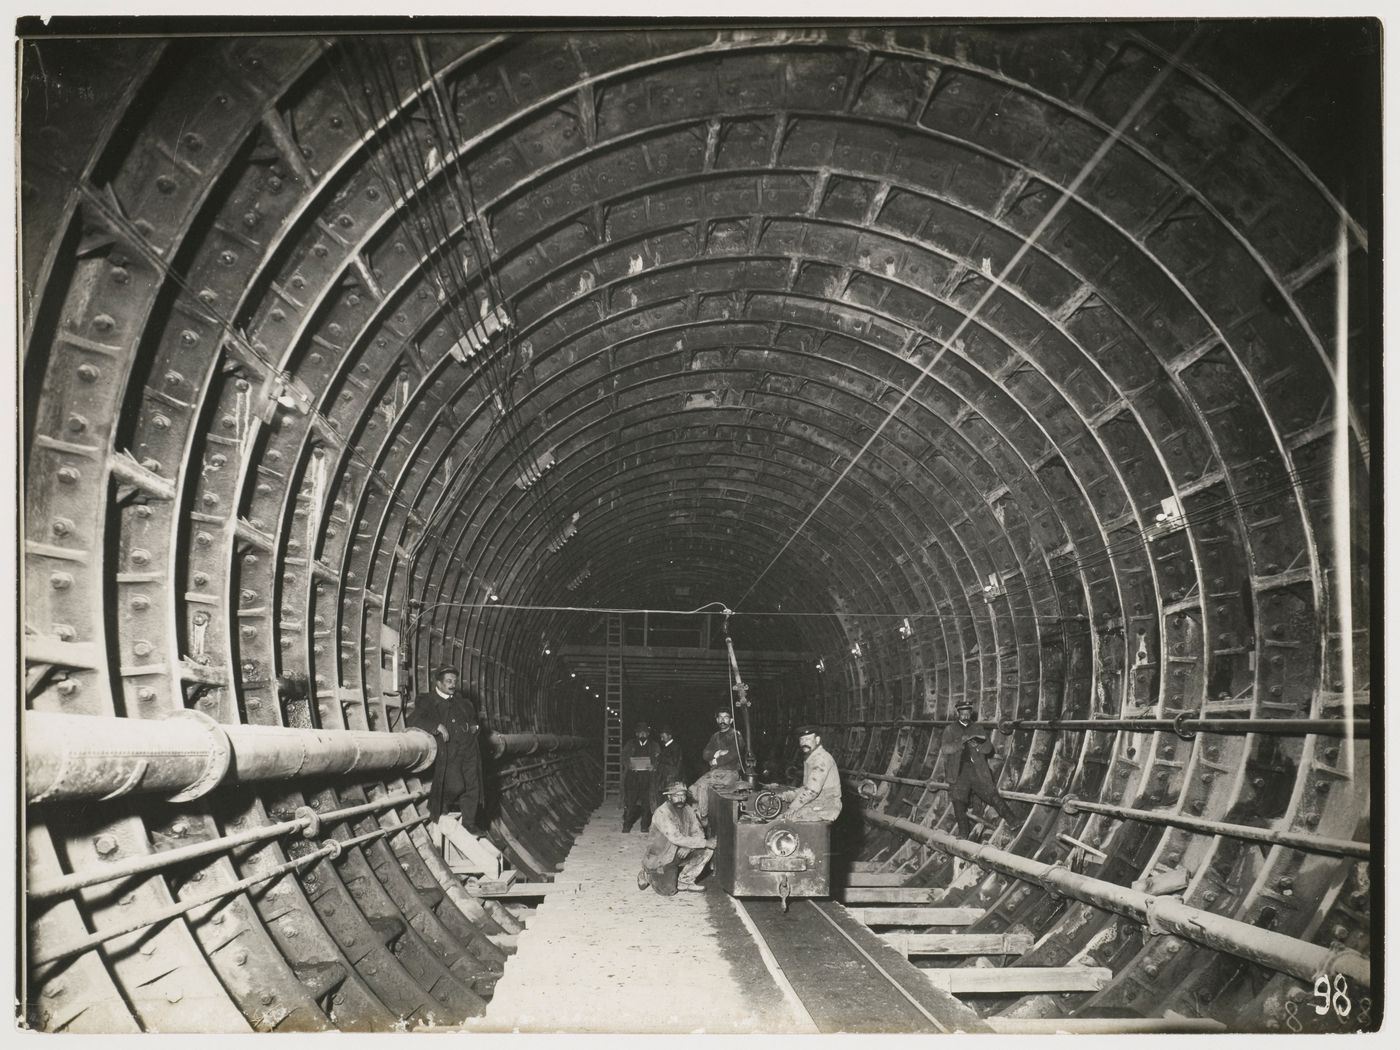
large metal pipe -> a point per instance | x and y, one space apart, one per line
189 754
1160 914
532 743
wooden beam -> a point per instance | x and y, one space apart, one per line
525 889
961 943
876 878
892 895
918 916
1102 1025
1019 980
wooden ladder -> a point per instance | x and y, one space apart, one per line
612 709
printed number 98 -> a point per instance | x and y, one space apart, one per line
1333 995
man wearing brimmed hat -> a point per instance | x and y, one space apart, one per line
638 762
965 747
678 850
819 798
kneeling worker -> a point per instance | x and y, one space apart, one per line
677 851
819 798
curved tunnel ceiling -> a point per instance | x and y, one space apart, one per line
1102 280
1026 333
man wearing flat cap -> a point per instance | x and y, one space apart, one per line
965 747
638 762
819 798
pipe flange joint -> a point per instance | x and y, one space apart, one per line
331 849
432 748
1179 727
1006 727
312 820
1069 805
219 759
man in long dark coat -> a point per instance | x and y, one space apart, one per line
638 766
457 769
670 765
965 747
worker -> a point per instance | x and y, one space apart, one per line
819 798
965 747
638 765
722 757
670 764
678 850
457 768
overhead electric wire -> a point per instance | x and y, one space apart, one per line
404 170
995 286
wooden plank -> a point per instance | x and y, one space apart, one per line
857 894
961 943
818 947
876 878
973 980
892 895
525 889
1102 1025
867 865
918 916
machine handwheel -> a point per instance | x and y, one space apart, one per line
766 805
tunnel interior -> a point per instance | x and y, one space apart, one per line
1026 364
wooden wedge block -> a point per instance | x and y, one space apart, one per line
1019 980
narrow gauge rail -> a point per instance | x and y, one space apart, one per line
843 977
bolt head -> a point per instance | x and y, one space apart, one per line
105 845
